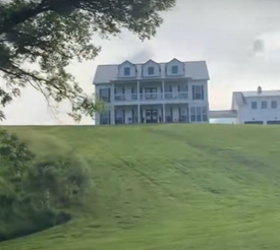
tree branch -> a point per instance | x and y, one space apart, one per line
19 16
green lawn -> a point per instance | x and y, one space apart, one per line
169 187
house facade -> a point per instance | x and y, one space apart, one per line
152 92
257 107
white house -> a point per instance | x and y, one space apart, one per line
257 107
153 92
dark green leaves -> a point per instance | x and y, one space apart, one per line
37 190
40 38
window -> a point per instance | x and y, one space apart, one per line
254 105
174 69
273 104
273 122
254 122
193 114
105 118
151 70
198 92
263 104
182 88
199 114
126 71
104 94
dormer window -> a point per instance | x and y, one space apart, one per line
174 69
151 70
127 71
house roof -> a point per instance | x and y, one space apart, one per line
196 70
264 93
240 98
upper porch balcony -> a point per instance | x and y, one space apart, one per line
145 92
150 96
152 92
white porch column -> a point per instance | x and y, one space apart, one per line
163 89
138 90
112 107
163 111
112 114
112 92
138 105
163 97
138 114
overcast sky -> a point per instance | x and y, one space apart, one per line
218 31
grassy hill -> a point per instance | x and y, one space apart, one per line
169 187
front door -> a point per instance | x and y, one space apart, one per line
151 116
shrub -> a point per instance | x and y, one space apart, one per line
59 180
37 191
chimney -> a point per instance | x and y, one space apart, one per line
259 89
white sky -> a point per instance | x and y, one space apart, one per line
218 31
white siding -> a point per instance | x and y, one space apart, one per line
199 83
127 65
174 86
146 66
247 114
180 65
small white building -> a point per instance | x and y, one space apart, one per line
153 92
257 107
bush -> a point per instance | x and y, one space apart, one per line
59 180
37 191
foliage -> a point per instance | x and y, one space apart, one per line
36 191
49 34
61 179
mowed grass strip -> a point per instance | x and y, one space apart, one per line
168 187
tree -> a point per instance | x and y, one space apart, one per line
49 34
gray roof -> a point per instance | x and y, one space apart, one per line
264 93
240 98
196 70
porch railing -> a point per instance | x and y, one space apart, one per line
168 119
182 118
175 95
121 120
151 96
126 97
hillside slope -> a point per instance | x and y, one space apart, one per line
169 187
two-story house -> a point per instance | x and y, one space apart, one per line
153 92
257 107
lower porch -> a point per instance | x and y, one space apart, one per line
135 114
